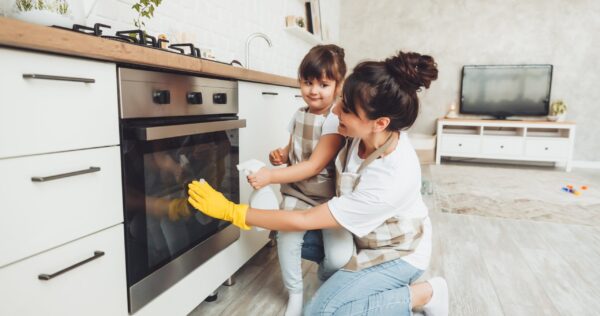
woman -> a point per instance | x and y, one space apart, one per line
378 198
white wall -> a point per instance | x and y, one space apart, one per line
222 26
559 32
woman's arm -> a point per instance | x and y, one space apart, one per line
326 150
214 204
317 217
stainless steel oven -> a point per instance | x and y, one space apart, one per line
174 128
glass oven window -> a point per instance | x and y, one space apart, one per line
161 223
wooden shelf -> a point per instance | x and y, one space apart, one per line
303 34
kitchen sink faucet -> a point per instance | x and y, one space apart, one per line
249 39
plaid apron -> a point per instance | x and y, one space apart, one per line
394 238
305 136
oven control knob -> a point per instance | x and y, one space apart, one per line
194 97
161 96
219 98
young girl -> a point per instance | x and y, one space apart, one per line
309 179
379 198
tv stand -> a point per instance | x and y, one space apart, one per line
506 140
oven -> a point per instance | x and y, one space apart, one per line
174 128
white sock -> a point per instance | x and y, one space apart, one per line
294 305
438 304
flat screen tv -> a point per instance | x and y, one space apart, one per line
505 90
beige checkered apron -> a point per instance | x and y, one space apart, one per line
305 136
393 239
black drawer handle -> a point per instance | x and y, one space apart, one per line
60 78
46 277
298 95
270 93
459 145
65 175
501 146
545 148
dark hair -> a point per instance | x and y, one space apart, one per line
389 88
323 61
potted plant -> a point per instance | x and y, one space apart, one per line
145 11
45 12
558 111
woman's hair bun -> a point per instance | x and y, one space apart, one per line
412 70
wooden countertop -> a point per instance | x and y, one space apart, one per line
15 33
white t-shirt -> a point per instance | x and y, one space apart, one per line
388 187
330 126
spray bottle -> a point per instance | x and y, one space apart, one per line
263 198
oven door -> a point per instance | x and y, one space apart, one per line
166 238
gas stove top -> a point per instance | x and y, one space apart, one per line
137 37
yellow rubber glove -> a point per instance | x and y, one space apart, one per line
178 208
212 203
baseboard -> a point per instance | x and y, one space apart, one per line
586 164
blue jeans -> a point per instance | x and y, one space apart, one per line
379 290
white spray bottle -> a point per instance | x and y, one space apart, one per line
263 198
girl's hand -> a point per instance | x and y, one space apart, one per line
279 156
260 179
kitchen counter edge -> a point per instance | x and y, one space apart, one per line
18 34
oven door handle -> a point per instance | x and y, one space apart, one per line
162 132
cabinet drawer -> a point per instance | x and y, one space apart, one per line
547 148
41 115
454 144
40 215
97 287
502 146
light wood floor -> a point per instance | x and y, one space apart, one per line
493 266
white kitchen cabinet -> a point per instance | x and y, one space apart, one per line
61 187
51 103
96 287
44 214
511 140
268 110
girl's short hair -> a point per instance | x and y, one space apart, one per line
389 88
323 61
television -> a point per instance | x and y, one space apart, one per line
505 90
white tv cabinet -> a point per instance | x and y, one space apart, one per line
505 139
